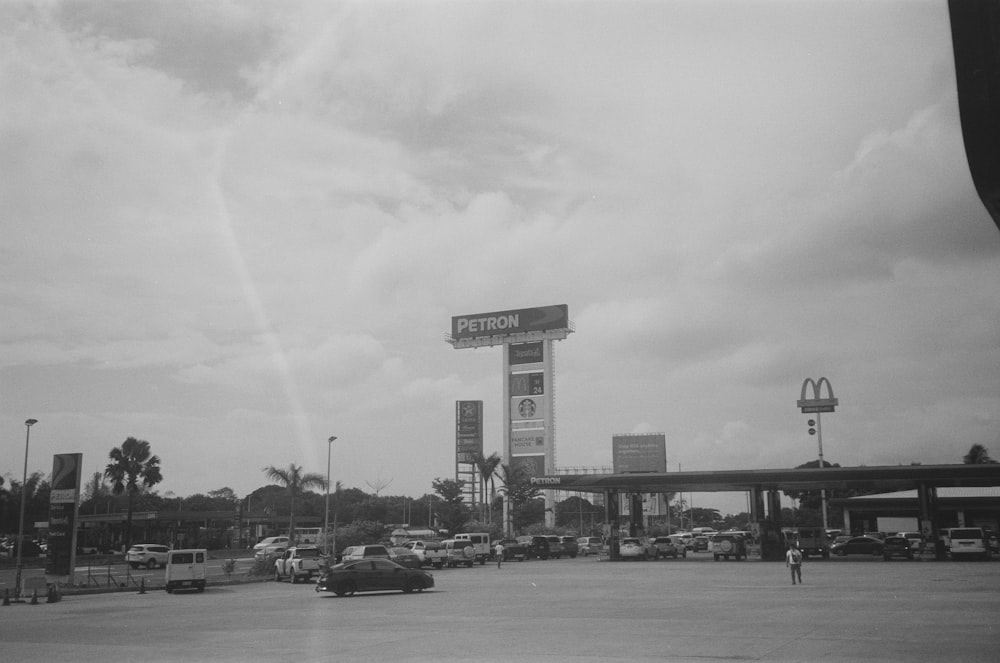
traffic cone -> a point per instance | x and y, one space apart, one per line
34 597
142 586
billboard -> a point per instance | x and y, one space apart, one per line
468 430
527 384
514 321
526 353
63 504
526 442
534 466
642 452
527 408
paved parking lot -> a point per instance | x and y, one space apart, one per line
573 610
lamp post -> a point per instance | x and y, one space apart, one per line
20 525
326 515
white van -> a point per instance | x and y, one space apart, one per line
186 569
480 542
968 542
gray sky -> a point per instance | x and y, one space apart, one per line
236 229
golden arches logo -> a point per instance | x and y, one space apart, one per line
817 403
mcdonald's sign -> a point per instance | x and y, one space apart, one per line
817 403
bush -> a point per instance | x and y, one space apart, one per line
263 568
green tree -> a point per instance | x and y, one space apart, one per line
978 455
487 466
133 468
295 483
521 496
452 513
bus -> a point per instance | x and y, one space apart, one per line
308 536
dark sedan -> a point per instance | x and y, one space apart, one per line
405 557
897 546
373 575
513 550
858 545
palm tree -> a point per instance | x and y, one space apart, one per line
131 469
487 466
295 482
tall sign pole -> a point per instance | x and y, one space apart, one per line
818 405
526 336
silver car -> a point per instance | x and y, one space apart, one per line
149 555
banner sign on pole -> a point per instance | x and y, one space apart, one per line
64 503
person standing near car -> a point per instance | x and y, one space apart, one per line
793 560
498 551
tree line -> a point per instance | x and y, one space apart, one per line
127 482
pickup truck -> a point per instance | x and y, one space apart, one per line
299 563
431 553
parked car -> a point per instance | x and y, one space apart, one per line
896 546
667 547
536 547
701 543
405 557
993 541
728 545
684 540
31 549
637 548
272 545
590 545
916 539
858 545
149 555
968 542
556 549
372 575
513 550
364 552
459 551
570 547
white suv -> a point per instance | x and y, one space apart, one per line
272 545
968 542
149 555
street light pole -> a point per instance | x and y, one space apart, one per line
326 515
20 525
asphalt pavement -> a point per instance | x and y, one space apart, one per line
564 611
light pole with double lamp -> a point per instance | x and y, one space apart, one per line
20 525
326 515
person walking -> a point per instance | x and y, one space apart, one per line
793 560
498 551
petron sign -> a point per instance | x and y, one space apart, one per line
816 404
527 335
516 321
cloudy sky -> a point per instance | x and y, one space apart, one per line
234 229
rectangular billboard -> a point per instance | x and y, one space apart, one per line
642 452
514 321
468 429
64 502
534 466
527 384
525 442
521 354
527 408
